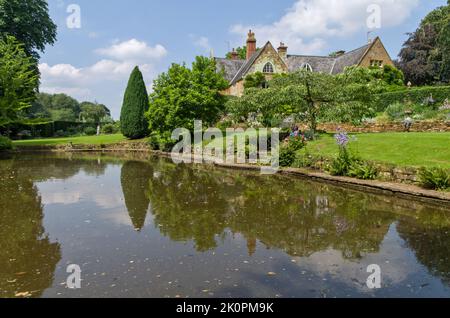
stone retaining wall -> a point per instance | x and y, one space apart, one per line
420 126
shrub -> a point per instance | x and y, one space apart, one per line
5 143
434 178
341 165
109 129
396 111
288 151
161 142
134 124
363 170
61 133
90 131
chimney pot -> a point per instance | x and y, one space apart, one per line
282 50
251 44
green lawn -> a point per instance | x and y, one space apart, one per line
402 149
85 140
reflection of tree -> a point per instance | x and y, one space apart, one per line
187 205
297 217
28 259
134 178
430 240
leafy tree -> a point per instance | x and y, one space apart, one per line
57 107
256 80
29 22
183 95
387 78
241 51
308 95
134 125
425 55
93 112
18 81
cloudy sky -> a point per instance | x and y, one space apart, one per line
93 62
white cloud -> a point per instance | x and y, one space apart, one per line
106 75
133 50
308 23
202 42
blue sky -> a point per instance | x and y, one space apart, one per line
93 62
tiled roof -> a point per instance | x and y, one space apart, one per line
230 67
321 64
349 59
235 70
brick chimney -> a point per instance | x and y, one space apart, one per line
282 51
251 44
234 55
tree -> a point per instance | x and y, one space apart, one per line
133 123
424 58
183 95
308 95
57 107
93 112
241 51
18 81
29 22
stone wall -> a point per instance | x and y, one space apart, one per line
377 52
420 126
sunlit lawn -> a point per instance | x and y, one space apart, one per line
403 149
84 140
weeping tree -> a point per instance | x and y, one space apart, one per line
134 124
309 96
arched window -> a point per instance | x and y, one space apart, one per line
307 67
268 68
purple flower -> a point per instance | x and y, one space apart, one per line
342 139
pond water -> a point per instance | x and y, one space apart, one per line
145 227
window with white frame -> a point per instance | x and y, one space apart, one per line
268 68
307 67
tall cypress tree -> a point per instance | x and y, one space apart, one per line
134 124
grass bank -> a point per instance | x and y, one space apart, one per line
84 140
401 149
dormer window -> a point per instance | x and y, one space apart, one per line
268 68
307 67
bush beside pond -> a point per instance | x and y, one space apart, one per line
5 143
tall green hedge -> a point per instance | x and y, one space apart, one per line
414 95
50 129
134 124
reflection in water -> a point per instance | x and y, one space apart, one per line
297 217
134 179
27 257
214 209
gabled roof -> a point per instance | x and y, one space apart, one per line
230 67
244 69
235 70
350 58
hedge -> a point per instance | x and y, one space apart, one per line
415 95
47 130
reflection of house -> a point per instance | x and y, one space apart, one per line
270 61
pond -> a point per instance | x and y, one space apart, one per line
140 226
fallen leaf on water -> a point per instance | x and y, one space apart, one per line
21 274
271 273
